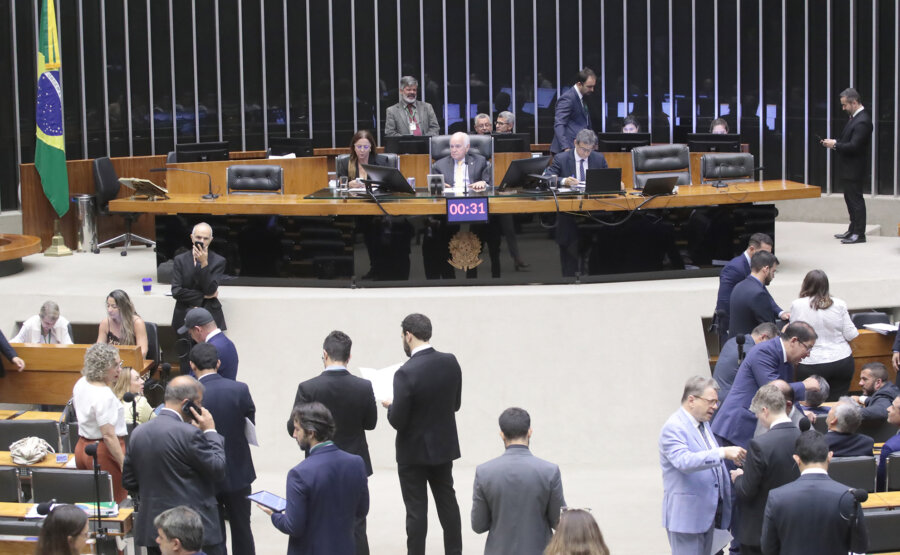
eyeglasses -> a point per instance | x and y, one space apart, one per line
808 347
713 402
363 147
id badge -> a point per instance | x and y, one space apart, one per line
412 127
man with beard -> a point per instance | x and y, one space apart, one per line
751 303
410 116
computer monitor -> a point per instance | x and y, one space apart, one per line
512 142
621 142
524 173
406 144
299 146
711 142
388 180
201 152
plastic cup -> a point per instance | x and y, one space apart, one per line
147 284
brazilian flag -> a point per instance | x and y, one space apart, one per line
50 149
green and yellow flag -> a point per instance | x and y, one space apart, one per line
50 148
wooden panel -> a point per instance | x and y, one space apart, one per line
416 165
247 155
18 246
870 346
302 176
51 372
502 160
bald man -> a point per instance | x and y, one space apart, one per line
195 278
463 170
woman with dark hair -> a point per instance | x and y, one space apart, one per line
577 534
718 127
122 326
362 151
64 532
831 356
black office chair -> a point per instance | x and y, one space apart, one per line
171 157
252 179
726 168
883 530
66 485
10 492
892 472
153 351
854 472
860 319
106 186
439 147
661 161
12 431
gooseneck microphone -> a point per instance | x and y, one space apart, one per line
91 450
131 398
45 507
740 339
208 196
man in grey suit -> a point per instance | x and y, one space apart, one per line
410 116
517 496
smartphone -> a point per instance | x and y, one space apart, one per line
198 244
186 410
270 500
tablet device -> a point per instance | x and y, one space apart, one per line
270 500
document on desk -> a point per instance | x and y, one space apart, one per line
250 432
382 381
883 329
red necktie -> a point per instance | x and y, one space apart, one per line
413 119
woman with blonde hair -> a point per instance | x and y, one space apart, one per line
577 534
130 381
122 326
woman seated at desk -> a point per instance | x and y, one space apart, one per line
130 381
362 147
47 326
122 326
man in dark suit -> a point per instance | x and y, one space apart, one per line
852 151
769 361
202 328
890 446
843 420
878 392
516 497
731 356
427 394
180 531
572 114
769 465
813 514
351 402
7 351
462 169
570 166
751 304
737 269
176 459
326 493
231 405
195 278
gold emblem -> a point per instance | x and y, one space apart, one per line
465 247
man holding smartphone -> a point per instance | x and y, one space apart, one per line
195 278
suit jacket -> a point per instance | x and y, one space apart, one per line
694 477
516 499
479 169
849 445
352 404
325 493
750 305
878 403
230 404
427 394
563 164
727 364
852 147
342 165
7 351
396 120
736 271
769 464
171 463
805 517
190 283
889 447
569 120
763 364
228 356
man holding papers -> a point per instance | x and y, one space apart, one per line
232 407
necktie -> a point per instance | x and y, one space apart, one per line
719 478
581 174
412 119
587 114
703 435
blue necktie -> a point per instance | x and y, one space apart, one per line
581 170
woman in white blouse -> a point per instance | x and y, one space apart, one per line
831 357
101 417
47 326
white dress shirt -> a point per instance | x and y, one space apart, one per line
832 325
33 332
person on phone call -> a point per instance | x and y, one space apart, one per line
195 278
176 459
200 325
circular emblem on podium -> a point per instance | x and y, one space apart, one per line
465 247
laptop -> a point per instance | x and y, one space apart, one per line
605 181
660 186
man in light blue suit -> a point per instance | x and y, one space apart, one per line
696 486
572 113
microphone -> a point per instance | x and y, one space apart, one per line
128 397
208 196
91 450
804 426
131 398
740 340
45 507
860 495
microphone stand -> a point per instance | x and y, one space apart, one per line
208 196
100 535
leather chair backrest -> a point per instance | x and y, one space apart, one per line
731 168
106 182
854 472
341 159
66 485
661 161
12 431
860 319
478 144
439 147
881 529
393 159
892 472
255 179
171 157
153 352
9 485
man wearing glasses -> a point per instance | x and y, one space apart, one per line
696 488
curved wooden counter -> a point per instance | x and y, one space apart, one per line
13 248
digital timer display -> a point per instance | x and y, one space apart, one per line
465 209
